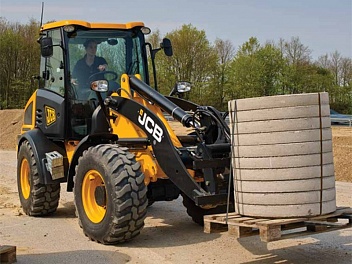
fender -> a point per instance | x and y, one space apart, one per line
100 135
84 144
40 145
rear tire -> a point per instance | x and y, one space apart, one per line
36 199
110 194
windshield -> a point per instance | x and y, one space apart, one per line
98 54
119 51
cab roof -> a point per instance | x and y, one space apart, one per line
93 25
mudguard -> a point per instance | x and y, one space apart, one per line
84 144
99 135
40 145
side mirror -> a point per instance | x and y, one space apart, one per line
166 45
46 47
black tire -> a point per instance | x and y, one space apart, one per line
197 213
36 199
118 215
150 203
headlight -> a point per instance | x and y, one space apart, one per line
183 87
145 30
69 28
100 86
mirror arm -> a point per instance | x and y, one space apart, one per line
152 55
174 90
153 52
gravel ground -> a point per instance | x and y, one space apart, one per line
169 235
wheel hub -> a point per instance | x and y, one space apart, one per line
100 195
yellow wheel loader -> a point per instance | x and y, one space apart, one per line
108 138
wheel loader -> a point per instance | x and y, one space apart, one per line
113 146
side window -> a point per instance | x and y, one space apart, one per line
136 57
52 68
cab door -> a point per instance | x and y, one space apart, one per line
50 101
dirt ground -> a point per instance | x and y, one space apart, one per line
11 121
342 147
169 235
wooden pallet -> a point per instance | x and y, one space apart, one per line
273 229
7 254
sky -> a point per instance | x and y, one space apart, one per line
325 26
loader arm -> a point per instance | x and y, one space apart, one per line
165 152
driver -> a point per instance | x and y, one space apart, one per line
87 66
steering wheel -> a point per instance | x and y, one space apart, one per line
103 75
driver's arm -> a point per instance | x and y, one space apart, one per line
102 64
102 67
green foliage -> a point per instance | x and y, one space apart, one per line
193 60
220 85
286 69
20 58
258 70
217 73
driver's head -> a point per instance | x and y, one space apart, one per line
91 46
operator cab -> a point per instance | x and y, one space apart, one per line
72 102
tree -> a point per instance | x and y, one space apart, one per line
296 52
340 72
346 72
216 72
258 70
220 84
272 69
193 60
19 54
245 70
341 99
298 70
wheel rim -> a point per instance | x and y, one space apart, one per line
25 184
93 210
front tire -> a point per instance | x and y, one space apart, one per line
36 199
110 194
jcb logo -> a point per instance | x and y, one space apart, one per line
50 115
149 124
